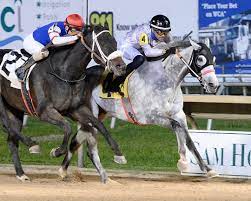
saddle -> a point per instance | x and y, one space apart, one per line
117 95
12 61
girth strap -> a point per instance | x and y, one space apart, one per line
129 111
27 99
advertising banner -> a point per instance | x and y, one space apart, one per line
20 17
227 152
227 24
124 16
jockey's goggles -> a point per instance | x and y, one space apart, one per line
161 32
74 29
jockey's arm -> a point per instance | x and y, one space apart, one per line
152 52
146 47
57 40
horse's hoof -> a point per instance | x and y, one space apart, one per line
56 152
104 177
34 149
120 160
182 165
53 152
62 173
212 173
23 178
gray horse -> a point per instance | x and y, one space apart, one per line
156 98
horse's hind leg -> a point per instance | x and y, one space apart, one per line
13 146
16 120
14 136
51 115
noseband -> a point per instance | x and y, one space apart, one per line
105 60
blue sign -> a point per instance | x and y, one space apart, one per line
227 25
215 10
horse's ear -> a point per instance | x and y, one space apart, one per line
195 45
87 29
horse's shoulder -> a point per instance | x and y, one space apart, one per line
94 73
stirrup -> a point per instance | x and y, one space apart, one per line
20 72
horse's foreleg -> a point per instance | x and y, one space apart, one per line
76 141
100 126
179 126
51 115
94 156
85 133
84 115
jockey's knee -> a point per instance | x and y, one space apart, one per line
40 55
137 61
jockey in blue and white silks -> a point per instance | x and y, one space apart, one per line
141 43
58 33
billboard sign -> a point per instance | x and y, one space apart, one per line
226 152
18 18
227 24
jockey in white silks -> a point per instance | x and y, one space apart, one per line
56 33
138 44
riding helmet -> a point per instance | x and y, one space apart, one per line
74 21
160 22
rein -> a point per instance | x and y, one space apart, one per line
105 60
187 65
65 80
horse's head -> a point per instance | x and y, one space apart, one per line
202 66
103 48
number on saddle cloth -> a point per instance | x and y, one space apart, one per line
11 61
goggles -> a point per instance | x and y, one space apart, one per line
160 32
73 29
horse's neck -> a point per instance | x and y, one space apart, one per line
151 72
175 68
71 61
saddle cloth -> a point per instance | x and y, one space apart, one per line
115 95
11 61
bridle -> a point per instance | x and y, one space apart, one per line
188 65
105 60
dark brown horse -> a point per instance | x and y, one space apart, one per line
58 90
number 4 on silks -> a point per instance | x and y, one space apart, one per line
143 39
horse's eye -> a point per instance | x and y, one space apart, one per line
201 60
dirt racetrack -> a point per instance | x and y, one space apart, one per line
79 187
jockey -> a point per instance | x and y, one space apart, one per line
56 33
138 44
